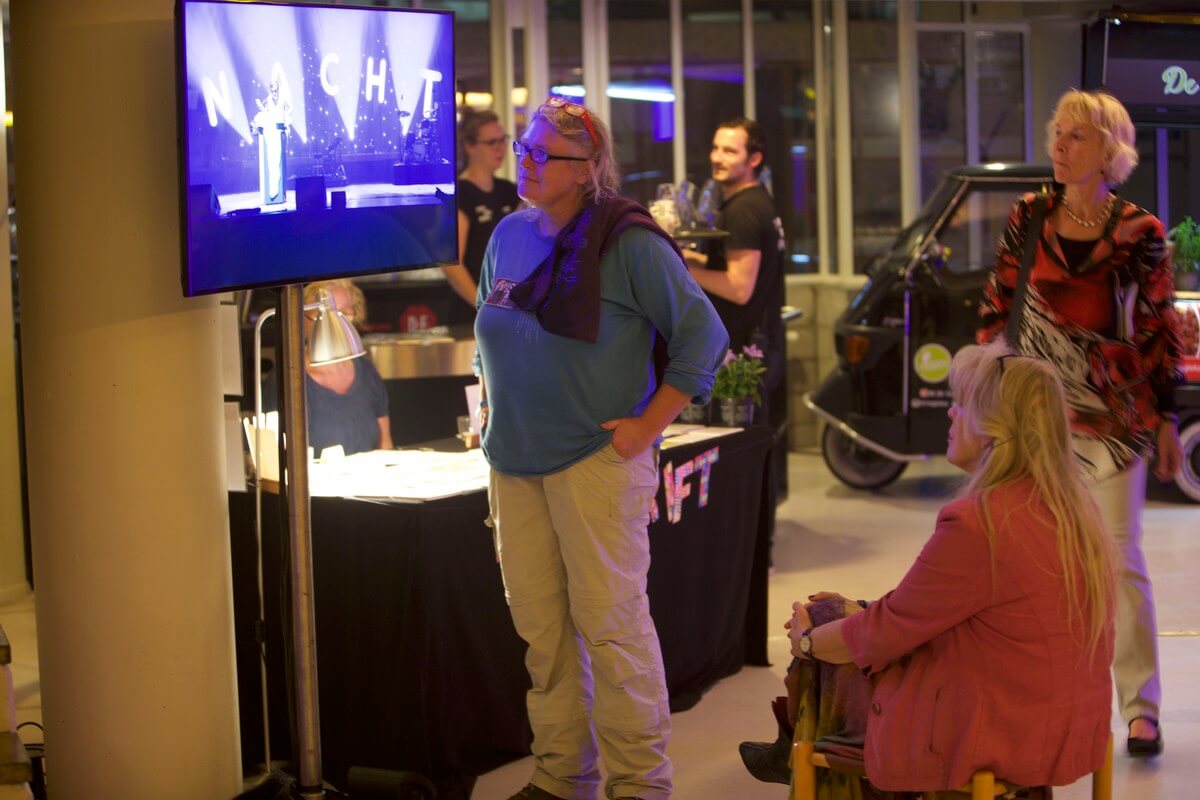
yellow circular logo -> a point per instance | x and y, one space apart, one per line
932 363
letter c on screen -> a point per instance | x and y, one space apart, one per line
329 86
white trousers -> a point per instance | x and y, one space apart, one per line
574 554
1135 658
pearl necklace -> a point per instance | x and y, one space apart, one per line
1103 215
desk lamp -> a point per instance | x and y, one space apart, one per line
333 339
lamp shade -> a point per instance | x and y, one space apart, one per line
333 337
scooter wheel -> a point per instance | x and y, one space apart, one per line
1188 477
855 465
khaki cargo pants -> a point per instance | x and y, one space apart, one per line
574 554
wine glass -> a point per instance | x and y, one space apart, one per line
664 213
685 205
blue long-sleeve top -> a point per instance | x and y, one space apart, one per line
548 394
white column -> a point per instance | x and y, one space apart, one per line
500 33
842 134
971 93
821 82
126 459
749 100
1162 176
594 25
977 248
537 53
12 521
1027 74
910 140
678 144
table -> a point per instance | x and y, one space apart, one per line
699 235
419 666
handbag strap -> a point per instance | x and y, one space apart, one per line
1033 232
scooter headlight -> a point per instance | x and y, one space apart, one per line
855 348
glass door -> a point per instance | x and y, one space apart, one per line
972 89
973 81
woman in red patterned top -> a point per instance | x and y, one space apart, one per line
1099 306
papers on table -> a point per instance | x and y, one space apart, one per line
415 475
692 434
679 428
264 444
408 475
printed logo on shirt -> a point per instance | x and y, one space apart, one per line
499 296
483 214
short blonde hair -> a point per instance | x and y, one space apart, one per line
358 302
606 179
1019 404
1106 114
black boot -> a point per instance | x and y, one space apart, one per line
768 761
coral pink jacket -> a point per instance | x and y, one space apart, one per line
972 673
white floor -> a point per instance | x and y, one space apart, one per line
859 543
831 537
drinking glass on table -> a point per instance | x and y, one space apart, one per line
467 436
685 205
664 213
706 209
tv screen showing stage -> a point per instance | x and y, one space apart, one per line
316 142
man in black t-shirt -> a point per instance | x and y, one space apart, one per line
743 273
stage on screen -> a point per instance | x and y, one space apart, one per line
316 142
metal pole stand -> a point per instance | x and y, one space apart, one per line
304 639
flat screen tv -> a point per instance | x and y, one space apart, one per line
315 142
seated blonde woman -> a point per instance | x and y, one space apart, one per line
994 650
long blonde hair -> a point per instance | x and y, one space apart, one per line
1018 402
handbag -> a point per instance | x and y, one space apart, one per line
1033 232
1116 368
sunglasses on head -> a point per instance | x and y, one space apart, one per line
575 110
1001 359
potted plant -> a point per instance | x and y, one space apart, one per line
1185 241
736 386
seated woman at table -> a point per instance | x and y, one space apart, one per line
347 402
994 650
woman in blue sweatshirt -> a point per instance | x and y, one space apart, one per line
580 296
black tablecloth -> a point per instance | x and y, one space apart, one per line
419 666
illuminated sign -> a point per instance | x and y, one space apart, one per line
932 362
1177 81
1154 81
676 487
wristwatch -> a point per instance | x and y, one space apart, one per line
805 645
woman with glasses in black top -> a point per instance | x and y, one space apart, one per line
483 199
